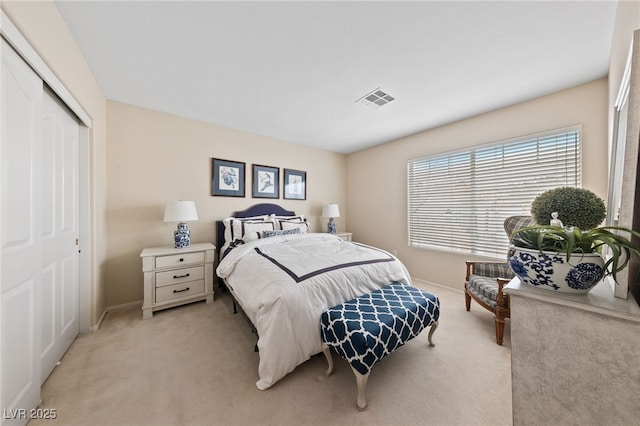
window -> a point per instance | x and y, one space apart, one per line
458 201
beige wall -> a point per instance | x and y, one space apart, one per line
154 157
379 216
43 26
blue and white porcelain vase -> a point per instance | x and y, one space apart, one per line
331 226
182 236
552 271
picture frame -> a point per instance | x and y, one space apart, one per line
265 181
294 184
227 178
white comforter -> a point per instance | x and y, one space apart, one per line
285 303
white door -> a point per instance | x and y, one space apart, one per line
39 225
20 230
59 176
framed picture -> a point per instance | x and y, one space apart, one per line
227 178
266 182
295 184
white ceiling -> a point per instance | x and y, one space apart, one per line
293 70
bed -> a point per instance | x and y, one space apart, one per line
283 277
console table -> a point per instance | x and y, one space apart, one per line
574 358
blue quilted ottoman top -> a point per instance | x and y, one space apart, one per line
367 328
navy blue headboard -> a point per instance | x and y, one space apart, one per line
256 210
264 208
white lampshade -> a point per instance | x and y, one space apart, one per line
331 210
180 211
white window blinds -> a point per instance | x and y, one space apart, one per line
458 201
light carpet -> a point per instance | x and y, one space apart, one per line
195 365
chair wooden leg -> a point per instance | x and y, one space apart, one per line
500 320
467 300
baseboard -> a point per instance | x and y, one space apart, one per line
97 325
419 280
114 308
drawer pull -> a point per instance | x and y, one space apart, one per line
180 276
181 259
180 291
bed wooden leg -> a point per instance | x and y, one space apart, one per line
361 381
327 353
431 330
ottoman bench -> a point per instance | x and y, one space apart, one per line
366 329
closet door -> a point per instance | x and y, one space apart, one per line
39 230
20 230
59 236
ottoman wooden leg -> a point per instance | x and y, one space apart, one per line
431 330
361 381
327 353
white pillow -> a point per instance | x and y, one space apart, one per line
228 228
250 236
296 217
241 227
303 226
277 219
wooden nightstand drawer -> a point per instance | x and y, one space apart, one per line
179 276
179 259
177 291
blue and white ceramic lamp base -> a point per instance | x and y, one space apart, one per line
331 226
182 236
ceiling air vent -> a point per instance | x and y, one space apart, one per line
375 99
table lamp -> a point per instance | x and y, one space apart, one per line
331 211
181 212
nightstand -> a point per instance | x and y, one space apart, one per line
175 276
344 235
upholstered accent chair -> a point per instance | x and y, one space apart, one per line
485 280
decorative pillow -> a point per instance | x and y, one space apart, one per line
303 226
228 228
239 228
278 219
296 217
250 236
267 234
